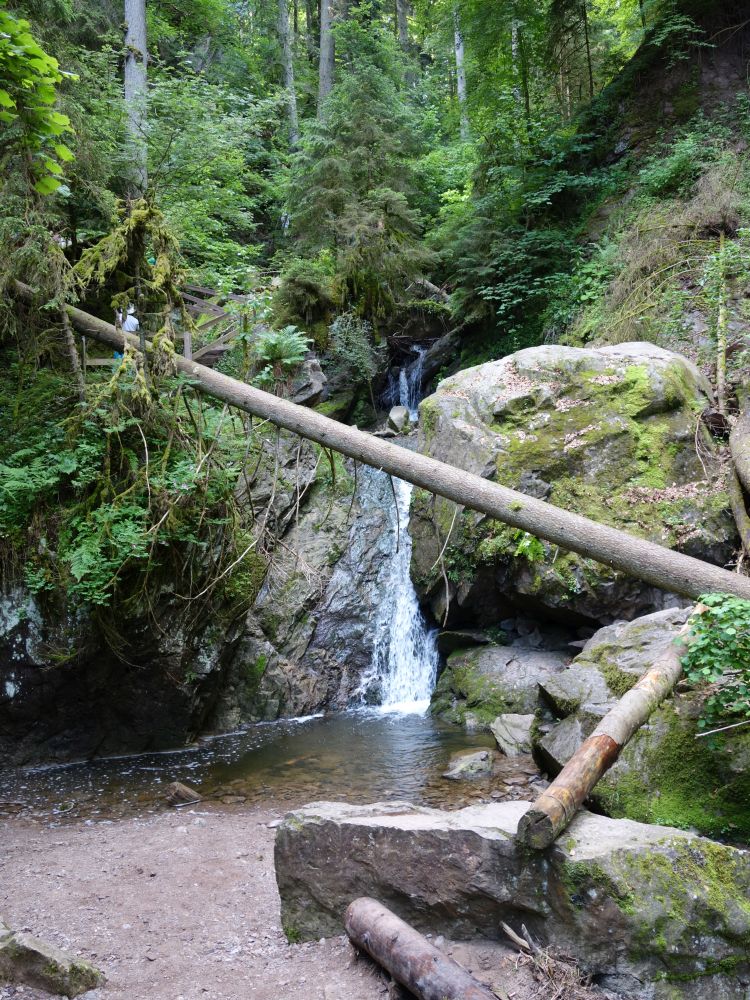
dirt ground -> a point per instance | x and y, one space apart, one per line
183 906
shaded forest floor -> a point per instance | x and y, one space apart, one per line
184 906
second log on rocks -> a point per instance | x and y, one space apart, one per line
408 955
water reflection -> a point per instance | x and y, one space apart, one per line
356 756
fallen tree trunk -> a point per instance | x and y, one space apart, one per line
408 955
557 805
739 446
645 560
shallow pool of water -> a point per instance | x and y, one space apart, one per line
353 756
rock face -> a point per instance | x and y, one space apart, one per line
513 733
398 418
650 912
286 639
26 959
665 774
609 433
65 693
483 682
307 642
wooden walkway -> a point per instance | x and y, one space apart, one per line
223 325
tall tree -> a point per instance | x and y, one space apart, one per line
402 23
136 61
288 68
458 44
327 53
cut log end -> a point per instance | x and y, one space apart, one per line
535 829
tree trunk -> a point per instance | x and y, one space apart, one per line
458 41
643 14
721 332
327 54
739 445
311 28
136 60
671 571
402 23
515 60
557 805
409 957
588 47
288 67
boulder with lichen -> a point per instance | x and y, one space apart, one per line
609 433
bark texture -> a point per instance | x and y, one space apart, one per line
408 955
672 571
327 53
739 445
558 804
458 43
288 68
136 61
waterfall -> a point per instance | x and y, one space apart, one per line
405 389
405 657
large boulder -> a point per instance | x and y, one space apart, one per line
481 683
648 911
608 433
665 774
27 960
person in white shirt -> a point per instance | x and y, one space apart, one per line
130 324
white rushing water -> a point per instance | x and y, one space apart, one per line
405 658
405 655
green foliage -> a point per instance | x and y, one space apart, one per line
718 658
31 125
354 350
306 293
280 352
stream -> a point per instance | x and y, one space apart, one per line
393 749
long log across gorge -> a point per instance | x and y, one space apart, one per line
672 571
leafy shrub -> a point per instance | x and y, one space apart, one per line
280 352
353 349
718 658
677 173
306 294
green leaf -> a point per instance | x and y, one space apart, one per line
6 101
46 185
63 153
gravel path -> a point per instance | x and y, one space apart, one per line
183 906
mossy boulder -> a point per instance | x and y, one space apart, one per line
607 433
26 959
483 682
650 913
664 775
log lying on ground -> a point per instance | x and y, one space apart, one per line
739 446
645 560
408 956
557 805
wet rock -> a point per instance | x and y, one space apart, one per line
178 794
398 418
449 642
482 683
467 764
605 432
310 384
513 733
636 904
665 774
26 959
